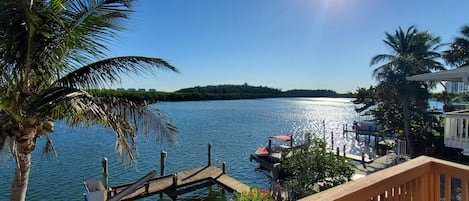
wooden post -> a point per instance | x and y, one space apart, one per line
105 173
147 186
163 155
344 150
324 129
209 154
376 142
345 130
269 147
224 167
291 141
337 151
363 159
332 140
175 181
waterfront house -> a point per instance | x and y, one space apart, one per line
456 123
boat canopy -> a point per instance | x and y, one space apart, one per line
285 138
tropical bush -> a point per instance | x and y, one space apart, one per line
254 194
312 169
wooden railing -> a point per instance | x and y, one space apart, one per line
421 179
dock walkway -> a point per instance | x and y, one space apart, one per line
183 182
378 164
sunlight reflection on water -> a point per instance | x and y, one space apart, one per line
235 128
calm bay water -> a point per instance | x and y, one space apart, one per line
235 128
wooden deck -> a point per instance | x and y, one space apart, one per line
184 182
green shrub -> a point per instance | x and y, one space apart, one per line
254 194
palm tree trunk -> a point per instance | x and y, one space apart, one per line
25 146
406 112
21 179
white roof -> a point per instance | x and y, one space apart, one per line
460 74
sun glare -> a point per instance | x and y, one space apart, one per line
339 7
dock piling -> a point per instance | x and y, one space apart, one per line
332 140
337 151
209 154
163 155
105 173
175 181
269 147
324 129
363 159
175 185
344 150
344 130
224 167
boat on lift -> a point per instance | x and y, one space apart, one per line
273 150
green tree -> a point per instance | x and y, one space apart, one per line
366 98
313 165
447 98
51 53
458 54
412 52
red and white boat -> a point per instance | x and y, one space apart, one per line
275 146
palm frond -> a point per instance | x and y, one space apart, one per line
91 24
106 72
458 54
15 27
381 58
125 117
145 119
49 149
52 97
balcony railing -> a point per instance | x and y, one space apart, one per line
420 179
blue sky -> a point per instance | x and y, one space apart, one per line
284 44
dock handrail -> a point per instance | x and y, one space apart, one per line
133 187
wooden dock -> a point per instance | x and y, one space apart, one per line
172 184
183 182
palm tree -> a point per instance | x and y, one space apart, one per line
447 98
52 53
413 52
458 54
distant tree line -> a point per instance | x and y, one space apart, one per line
216 92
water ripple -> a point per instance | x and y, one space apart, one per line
235 129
